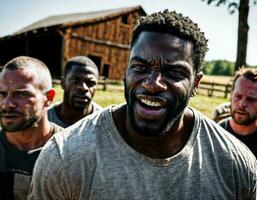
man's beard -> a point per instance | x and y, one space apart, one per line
247 121
27 122
175 109
75 105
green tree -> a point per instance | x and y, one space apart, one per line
242 7
218 67
207 68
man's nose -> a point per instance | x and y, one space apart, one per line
83 86
155 82
243 103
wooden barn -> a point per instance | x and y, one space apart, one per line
104 36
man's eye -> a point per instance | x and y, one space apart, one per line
237 96
139 68
22 95
175 74
2 94
73 80
251 99
91 84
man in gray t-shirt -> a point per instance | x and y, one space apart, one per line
54 115
79 84
153 147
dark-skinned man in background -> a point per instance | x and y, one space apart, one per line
79 85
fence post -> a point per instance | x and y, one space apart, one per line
210 91
227 91
105 83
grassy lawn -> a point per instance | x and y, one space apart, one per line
202 103
103 98
206 104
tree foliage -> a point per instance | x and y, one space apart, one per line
219 67
232 6
242 7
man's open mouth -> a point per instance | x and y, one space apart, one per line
150 107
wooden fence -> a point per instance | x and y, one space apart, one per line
218 88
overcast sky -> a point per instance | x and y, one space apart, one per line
219 26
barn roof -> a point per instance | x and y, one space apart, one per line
78 18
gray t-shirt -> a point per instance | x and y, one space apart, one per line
90 160
221 112
54 117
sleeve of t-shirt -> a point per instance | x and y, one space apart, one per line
48 181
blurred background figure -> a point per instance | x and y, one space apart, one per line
79 85
242 122
221 112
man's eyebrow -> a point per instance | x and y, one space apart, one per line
179 65
21 90
140 59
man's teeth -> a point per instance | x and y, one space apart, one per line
151 103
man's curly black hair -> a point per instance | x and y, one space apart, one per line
178 25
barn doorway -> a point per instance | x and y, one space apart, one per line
106 70
98 61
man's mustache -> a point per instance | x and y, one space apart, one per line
9 112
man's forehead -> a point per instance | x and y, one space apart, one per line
147 36
17 78
83 69
87 72
161 48
245 83
16 86
161 40
81 74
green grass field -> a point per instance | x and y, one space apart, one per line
202 103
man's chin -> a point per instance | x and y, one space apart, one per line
80 107
245 122
14 128
150 129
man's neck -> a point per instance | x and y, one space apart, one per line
70 115
31 138
160 147
243 129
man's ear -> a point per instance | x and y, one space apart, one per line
50 94
198 77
